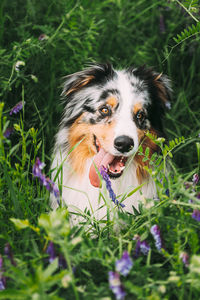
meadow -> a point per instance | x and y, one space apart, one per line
153 254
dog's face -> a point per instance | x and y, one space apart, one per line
110 111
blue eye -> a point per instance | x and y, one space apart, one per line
140 115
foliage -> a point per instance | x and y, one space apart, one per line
39 44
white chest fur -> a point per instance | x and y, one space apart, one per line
78 193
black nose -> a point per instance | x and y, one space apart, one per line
123 143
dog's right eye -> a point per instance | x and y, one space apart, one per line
105 111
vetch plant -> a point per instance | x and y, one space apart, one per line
155 231
51 252
196 215
2 277
17 107
8 132
185 258
141 247
116 285
103 172
77 265
124 264
45 181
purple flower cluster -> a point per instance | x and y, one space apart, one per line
116 285
9 254
141 247
185 258
155 231
195 179
51 252
196 215
17 108
2 278
8 132
53 255
45 181
124 265
103 172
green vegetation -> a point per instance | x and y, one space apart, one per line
40 42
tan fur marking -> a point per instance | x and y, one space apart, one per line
161 90
137 107
158 77
86 149
80 131
112 101
80 84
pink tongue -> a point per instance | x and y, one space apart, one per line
102 158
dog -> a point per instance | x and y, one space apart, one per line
106 116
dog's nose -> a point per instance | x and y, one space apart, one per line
123 143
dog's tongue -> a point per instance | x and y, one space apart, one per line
102 158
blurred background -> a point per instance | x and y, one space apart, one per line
42 41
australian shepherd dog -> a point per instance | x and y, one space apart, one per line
107 114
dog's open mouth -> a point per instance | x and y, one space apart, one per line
114 164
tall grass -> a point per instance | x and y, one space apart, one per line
39 44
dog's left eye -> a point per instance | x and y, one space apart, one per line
105 111
140 116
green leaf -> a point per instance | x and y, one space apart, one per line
52 267
187 33
147 152
20 224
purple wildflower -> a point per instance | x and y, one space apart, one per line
162 24
17 107
155 231
185 258
124 265
103 172
116 286
167 192
45 181
2 278
141 247
144 247
51 251
195 179
8 132
9 254
137 247
187 184
37 167
196 215
62 262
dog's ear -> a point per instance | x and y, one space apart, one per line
164 89
96 73
159 85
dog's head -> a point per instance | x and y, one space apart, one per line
110 111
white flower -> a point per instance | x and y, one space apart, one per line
18 64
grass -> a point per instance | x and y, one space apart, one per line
49 40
